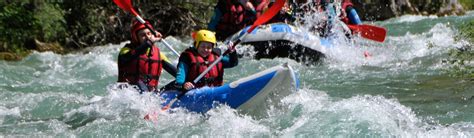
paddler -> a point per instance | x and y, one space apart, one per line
348 14
232 15
140 62
194 60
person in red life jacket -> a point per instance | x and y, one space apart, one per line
285 15
140 62
348 14
232 15
194 60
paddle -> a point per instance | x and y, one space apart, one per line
126 5
262 19
169 47
369 31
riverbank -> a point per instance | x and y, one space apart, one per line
64 26
382 10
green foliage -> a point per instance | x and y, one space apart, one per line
202 10
467 4
87 22
51 23
23 21
16 23
77 24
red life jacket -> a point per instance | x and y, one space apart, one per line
146 68
235 18
198 64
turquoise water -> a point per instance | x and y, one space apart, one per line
403 89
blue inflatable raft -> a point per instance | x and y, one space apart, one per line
246 94
284 40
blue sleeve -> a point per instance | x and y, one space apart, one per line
353 16
181 74
214 20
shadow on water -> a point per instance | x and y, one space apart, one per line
78 120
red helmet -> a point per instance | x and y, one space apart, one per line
137 26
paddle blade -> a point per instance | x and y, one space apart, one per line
126 5
370 32
268 14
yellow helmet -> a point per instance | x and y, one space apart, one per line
204 35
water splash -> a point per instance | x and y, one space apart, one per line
315 113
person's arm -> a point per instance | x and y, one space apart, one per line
230 60
181 72
214 19
353 16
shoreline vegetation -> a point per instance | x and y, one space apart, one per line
63 26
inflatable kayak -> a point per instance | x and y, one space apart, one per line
246 94
283 40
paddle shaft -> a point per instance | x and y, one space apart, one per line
126 5
140 19
169 47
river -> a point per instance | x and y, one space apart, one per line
404 89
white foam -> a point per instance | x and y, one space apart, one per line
8 112
412 18
361 115
4 111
